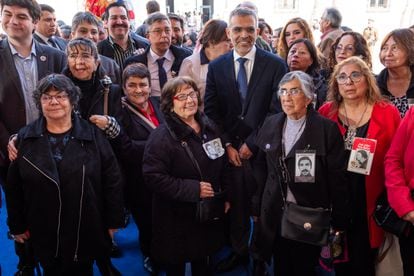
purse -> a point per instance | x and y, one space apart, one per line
387 219
211 209
303 224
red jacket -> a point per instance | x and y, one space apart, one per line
383 124
399 167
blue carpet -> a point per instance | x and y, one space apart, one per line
130 263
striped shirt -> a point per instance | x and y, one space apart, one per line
120 55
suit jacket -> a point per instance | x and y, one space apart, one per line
111 68
179 54
105 47
12 108
222 101
61 43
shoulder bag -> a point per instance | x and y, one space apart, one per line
304 224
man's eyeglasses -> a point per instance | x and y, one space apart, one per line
290 92
183 97
59 98
160 31
355 77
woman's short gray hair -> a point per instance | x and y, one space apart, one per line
306 82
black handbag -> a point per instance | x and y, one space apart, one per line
211 209
387 219
303 224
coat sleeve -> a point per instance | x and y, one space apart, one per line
158 161
14 193
112 183
398 189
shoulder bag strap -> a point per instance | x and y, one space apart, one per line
191 155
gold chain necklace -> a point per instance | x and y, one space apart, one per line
352 130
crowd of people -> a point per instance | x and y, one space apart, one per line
250 137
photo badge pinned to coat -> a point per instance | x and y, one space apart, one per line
305 166
213 148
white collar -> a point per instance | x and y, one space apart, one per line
250 55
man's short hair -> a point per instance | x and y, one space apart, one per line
305 158
243 12
31 5
173 16
156 17
105 16
152 6
334 17
82 17
45 7
248 5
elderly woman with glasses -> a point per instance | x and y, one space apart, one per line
64 189
184 163
285 141
356 105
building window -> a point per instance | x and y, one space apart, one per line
287 4
378 4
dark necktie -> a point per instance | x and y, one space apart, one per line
242 78
53 42
162 75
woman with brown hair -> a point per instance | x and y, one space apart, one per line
356 105
346 45
396 79
214 42
294 29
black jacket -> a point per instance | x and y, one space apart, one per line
179 54
329 189
97 101
60 42
67 209
129 146
105 48
175 182
111 68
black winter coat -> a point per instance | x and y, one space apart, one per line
175 183
129 147
67 209
329 189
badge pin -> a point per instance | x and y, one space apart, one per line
267 146
307 226
42 58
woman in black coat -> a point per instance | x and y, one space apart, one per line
301 160
140 115
176 183
64 190
85 71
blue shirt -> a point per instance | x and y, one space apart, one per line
28 75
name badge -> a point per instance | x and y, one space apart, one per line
362 155
213 148
305 166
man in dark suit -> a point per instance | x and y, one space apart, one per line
162 59
46 29
23 62
241 91
121 42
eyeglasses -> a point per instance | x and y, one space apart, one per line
160 31
80 56
59 98
355 77
290 92
347 49
183 97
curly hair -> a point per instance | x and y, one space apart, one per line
282 48
60 83
360 46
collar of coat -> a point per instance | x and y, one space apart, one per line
81 129
180 130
